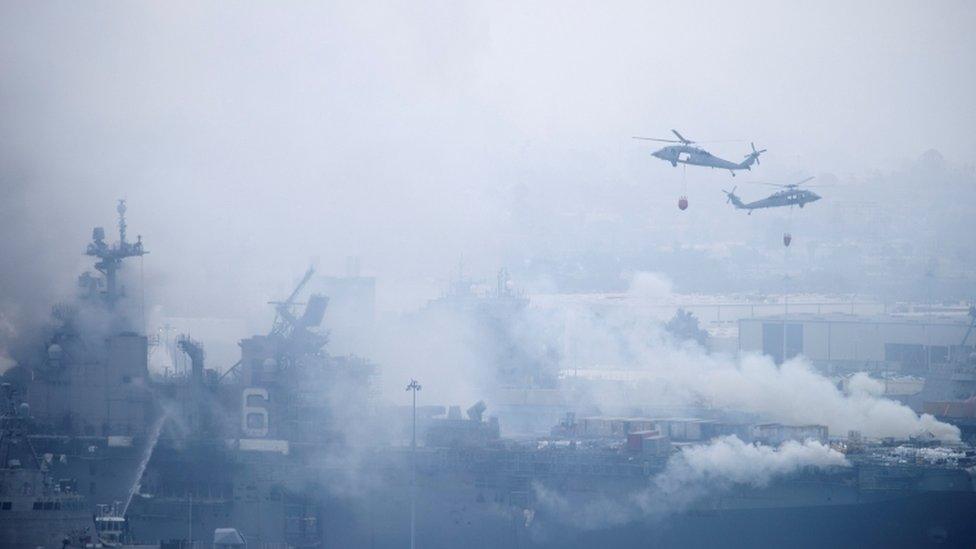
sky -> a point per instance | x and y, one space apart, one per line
252 139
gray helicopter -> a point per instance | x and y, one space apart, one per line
790 195
685 153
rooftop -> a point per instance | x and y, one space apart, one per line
909 319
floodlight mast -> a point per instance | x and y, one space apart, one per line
413 386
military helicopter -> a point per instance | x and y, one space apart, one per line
790 195
686 153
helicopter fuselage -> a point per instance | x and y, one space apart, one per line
787 197
695 156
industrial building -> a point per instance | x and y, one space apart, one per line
840 342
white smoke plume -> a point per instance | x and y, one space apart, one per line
628 335
694 473
698 472
730 460
794 393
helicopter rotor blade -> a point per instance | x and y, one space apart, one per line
681 137
655 139
787 185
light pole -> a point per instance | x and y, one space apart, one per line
414 386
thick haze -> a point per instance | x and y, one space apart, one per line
251 139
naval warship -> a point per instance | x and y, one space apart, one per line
291 447
37 508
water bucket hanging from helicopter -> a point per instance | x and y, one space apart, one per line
683 199
787 238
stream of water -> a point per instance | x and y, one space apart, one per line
157 428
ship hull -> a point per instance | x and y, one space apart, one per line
898 520
498 499
32 529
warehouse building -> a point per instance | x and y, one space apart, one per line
841 343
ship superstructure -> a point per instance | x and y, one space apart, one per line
93 379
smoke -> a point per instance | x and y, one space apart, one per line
727 460
447 350
628 335
29 282
408 138
794 393
39 289
694 474
250 137
650 286
450 352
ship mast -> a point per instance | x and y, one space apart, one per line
110 256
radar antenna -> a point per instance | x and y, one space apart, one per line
110 256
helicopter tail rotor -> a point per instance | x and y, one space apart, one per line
735 200
729 194
754 155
